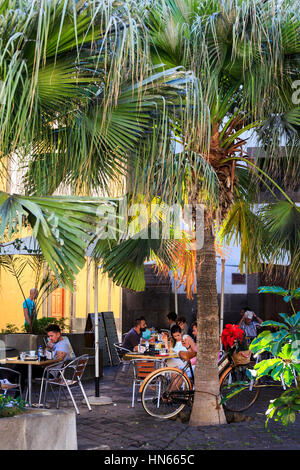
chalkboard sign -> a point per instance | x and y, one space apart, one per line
107 336
111 334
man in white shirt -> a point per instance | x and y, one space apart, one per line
60 349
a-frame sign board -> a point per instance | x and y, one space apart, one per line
107 336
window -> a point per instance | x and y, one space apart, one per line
238 278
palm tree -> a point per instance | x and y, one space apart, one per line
245 56
78 95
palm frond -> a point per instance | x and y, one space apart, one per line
61 225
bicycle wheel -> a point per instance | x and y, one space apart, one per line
166 393
242 400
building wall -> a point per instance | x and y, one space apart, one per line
11 299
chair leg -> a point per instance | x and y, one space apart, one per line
45 393
72 398
58 398
53 393
133 394
65 395
41 392
84 395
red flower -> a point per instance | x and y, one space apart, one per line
231 335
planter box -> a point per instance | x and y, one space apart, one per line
39 430
20 341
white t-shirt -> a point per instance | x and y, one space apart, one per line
61 346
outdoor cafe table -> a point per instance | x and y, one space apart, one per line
15 360
133 356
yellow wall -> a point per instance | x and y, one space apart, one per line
11 299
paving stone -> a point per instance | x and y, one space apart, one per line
124 427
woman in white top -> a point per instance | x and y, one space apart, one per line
179 342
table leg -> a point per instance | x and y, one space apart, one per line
29 383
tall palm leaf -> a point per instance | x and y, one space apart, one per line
61 225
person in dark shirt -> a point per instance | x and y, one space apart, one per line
172 318
132 339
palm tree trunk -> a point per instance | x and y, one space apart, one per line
206 410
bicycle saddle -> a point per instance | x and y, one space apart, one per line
187 355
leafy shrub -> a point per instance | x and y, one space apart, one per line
10 406
10 329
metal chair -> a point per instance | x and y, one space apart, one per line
121 353
66 377
47 372
141 369
11 386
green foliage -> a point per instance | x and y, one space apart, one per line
284 345
234 389
288 295
273 342
285 407
61 225
10 329
41 324
10 406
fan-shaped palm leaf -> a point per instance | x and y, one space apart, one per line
61 225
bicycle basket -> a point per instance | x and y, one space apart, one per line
241 357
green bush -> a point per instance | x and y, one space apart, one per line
39 326
10 329
10 406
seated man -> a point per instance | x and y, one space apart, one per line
133 337
57 345
60 352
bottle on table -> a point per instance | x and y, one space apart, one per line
40 353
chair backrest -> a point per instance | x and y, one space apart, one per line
120 350
78 365
143 368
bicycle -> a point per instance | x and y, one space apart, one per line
166 391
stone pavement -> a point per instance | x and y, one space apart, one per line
118 426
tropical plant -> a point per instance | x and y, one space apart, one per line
241 58
61 225
39 325
79 95
10 328
80 90
11 406
284 364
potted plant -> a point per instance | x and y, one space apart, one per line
234 342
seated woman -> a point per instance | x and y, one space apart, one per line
178 343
